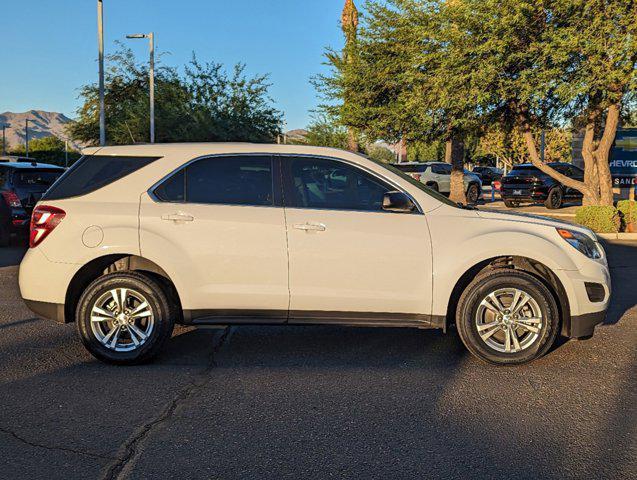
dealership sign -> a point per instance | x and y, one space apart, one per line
623 158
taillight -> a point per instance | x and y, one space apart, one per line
43 221
496 185
11 199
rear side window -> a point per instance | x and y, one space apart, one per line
235 180
441 169
411 168
93 172
232 180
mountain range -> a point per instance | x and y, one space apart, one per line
41 124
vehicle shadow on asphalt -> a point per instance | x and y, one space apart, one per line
11 256
622 260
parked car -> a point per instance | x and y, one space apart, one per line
488 174
527 184
22 183
132 240
437 175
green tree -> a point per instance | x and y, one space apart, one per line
535 64
324 131
442 69
204 104
4 147
50 149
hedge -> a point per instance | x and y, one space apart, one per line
601 219
628 209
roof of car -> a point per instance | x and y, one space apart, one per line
419 163
550 164
165 149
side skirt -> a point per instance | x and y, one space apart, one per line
303 317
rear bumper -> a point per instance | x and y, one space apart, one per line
526 196
582 326
52 311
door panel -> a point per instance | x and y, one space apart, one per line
223 256
346 253
359 262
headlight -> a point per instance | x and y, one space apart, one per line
582 242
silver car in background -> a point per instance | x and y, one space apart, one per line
437 175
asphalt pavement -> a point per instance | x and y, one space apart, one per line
317 402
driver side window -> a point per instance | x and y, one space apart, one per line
330 184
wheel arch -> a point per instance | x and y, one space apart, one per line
514 262
114 263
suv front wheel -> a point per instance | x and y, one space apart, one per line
124 318
507 317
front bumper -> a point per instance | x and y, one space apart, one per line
583 326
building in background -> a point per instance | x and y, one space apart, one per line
623 157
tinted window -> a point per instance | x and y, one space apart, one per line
522 170
234 180
173 189
323 183
33 177
411 168
93 172
441 169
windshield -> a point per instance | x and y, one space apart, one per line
421 186
522 170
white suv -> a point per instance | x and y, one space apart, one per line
132 240
437 176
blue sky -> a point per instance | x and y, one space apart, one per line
49 47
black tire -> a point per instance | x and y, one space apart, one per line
468 313
511 204
433 186
555 198
473 193
164 315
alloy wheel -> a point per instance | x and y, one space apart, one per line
122 319
509 320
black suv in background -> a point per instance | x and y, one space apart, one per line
22 183
527 184
488 174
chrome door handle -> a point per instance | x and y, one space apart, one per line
314 227
178 217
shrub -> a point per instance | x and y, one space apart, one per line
601 219
628 210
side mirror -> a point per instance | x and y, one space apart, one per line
398 202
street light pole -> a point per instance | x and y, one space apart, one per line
100 46
26 135
151 46
151 40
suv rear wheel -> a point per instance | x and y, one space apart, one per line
124 318
507 317
555 198
473 193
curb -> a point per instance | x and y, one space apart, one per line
617 236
